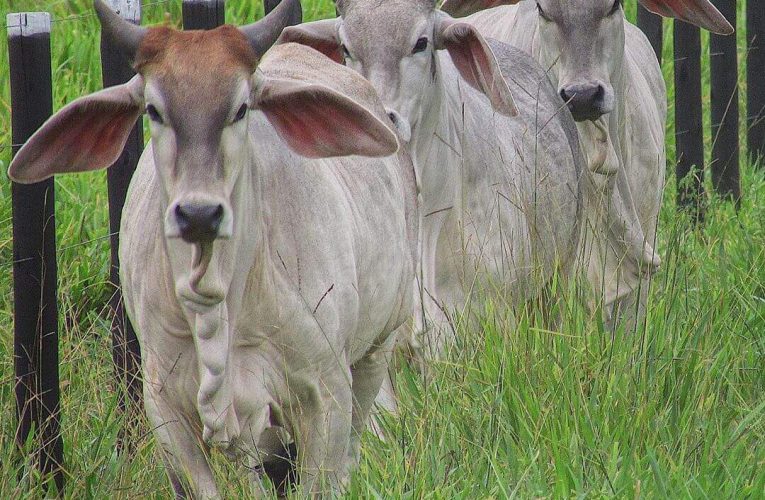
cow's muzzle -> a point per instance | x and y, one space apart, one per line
198 219
587 101
198 223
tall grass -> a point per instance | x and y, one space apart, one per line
674 411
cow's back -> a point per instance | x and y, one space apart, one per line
552 152
519 184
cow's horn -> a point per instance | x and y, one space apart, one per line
125 34
263 34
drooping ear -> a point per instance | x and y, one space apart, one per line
475 61
462 8
319 35
87 134
699 12
318 122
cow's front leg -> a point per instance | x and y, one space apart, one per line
182 449
321 429
368 376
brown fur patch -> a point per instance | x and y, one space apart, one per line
224 47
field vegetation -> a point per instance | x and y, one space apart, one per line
676 410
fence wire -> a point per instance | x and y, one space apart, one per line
80 17
60 249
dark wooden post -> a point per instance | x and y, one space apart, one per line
689 132
203 14
35 347
724 95
755 35
269 5
126 352
652 26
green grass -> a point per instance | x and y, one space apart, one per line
675 411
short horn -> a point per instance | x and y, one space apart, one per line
126 35
263 34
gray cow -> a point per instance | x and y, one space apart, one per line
606 71
496 154
264 269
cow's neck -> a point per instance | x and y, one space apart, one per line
436 139
232 264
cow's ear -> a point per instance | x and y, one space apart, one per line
699 12
475 61
319 122
462 8
87 134
319 35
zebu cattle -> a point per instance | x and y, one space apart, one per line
497 157
606 71
264 267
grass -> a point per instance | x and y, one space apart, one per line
675 411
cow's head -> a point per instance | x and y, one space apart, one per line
583 41
393 44
198 89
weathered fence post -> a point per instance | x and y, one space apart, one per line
269 5
126 351
725 116
35 347
755 35
652 26
689 132
203 14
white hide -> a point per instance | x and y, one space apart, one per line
625 153
316 277
499 195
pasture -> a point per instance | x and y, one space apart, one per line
676 410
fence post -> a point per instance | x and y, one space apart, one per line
203 14
755 35
652 26
269 5
724 96
126 351
689 132
35 346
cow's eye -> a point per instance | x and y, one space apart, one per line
346 52
615 8
542 13
240 114
420 46
154 114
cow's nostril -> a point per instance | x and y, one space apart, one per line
180 215
218 213
600 94
564 94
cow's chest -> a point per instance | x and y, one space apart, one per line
240 406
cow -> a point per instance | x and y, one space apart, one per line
497 158
605 70
267 242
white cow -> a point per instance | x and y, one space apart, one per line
605 69
496 154
264 276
